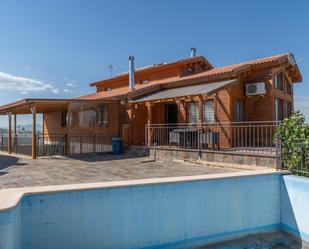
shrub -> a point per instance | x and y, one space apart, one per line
293 131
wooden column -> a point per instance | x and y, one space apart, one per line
33 111
200 109
15 131
43 133
10 133
67 136
149 120
200 128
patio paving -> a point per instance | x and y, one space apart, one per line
22 172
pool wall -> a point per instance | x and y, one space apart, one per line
10 229
295 206
156 215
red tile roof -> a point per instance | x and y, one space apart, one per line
213 74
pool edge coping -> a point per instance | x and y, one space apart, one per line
10 197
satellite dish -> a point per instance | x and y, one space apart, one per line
291 59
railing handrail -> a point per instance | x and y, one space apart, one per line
216 123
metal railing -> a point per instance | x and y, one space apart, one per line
235 137
56 144
4 142
81 144
51 145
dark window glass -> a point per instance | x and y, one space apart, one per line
239 112
279 81
63 119
288 86
279 109
288 109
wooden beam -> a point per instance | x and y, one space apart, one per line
33 111
10 133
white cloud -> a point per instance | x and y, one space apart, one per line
69 91
71 83
24 85
302 104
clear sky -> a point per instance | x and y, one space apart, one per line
54 48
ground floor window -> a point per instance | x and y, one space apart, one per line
102 115
209 111
193 112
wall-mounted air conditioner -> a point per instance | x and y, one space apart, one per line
255 89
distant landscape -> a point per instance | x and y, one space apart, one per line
27 128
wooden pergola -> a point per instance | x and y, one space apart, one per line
34 107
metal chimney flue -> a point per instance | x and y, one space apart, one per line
193 52
131 72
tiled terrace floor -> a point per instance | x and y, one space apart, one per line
21 172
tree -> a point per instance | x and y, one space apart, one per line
292 132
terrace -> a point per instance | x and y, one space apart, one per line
24 172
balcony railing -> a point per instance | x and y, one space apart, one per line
238 137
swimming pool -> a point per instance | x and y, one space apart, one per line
181 212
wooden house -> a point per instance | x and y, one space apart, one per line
188 92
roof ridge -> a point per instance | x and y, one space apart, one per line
253 60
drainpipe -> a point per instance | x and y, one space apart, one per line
131 72
193 52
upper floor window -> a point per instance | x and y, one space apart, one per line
102 116
288 86
279 81
279 109
239 112
193 112
288 109
209 111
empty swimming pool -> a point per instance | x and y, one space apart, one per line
180 212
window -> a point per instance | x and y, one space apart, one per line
288 109
279 109
107 89
288 86
279 81
102 116
239 114
209 112
63 119
193 112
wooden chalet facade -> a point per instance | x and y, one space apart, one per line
188 91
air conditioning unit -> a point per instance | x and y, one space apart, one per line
255 89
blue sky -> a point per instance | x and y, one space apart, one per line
54 48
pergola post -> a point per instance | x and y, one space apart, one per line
10 133
15 132
200 128
149 120
33 111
